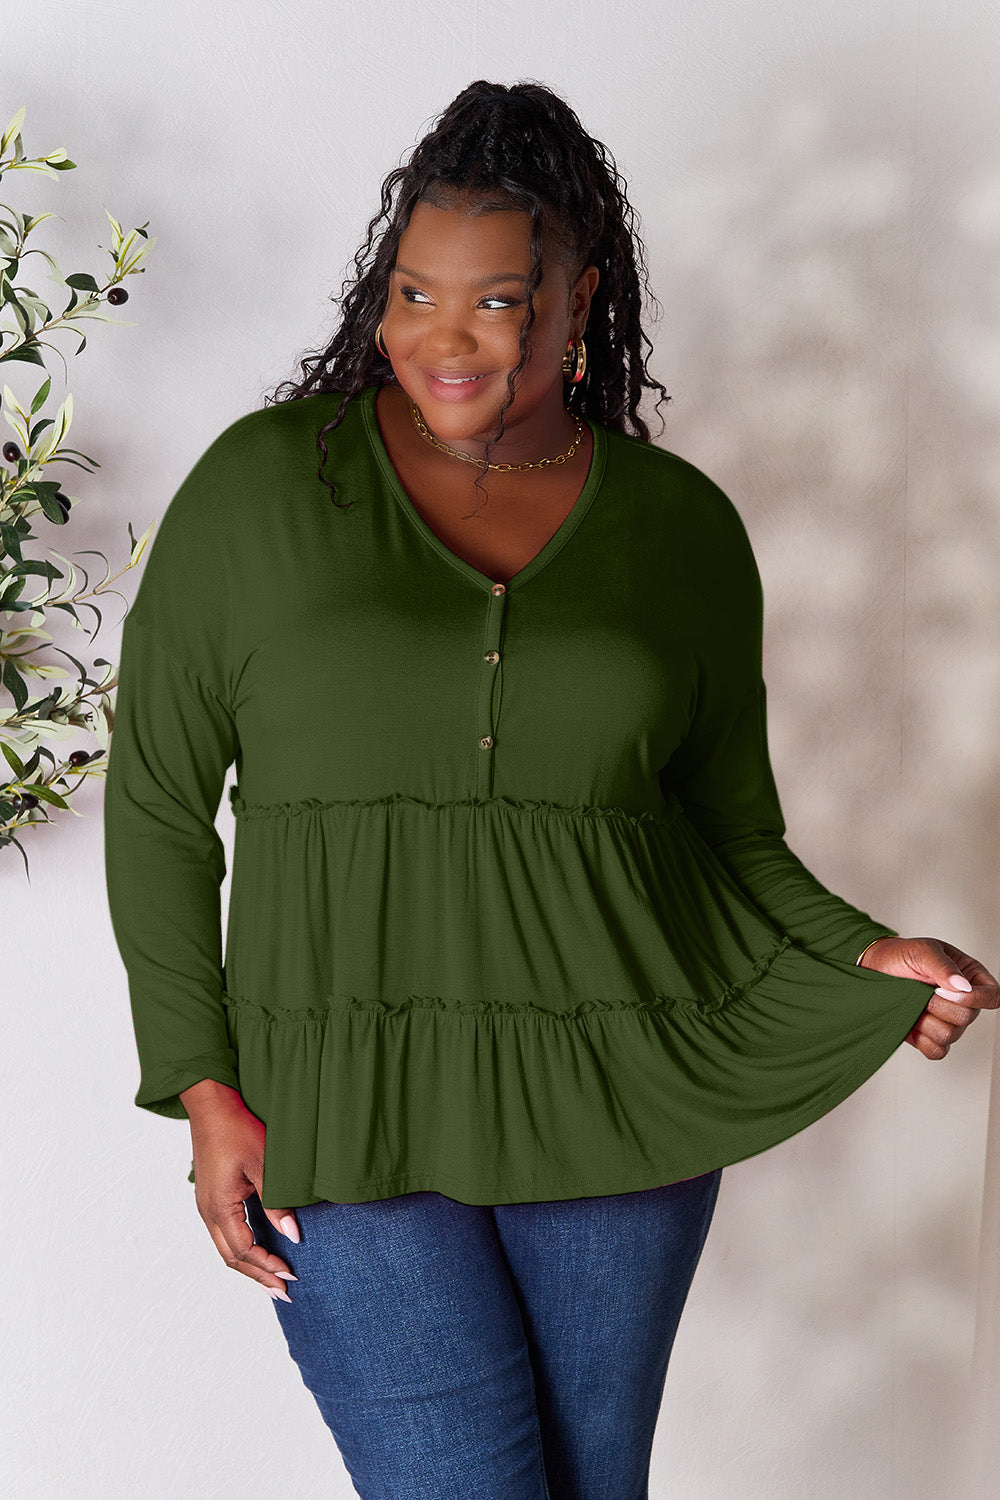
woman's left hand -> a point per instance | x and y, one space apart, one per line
952 1007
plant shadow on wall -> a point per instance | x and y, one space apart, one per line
40 773
833 349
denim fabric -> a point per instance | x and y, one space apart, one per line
508 1352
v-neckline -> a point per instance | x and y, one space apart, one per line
556 541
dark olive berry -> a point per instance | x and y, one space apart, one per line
11 452
117 295
79 757
28 799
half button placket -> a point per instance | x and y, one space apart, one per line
490 684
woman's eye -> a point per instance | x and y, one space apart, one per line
411 293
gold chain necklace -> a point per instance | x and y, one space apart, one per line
540 463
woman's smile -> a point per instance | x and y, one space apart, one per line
454 387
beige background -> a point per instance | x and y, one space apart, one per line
819 191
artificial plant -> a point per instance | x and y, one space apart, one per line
40 773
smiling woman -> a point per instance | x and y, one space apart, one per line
453 350
517 957
511 235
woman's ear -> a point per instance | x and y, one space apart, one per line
583 291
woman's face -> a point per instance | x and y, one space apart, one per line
457 298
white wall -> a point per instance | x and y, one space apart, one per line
819 191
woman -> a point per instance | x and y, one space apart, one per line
517 958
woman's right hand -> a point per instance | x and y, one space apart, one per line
228 1145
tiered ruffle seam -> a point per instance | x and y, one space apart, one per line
293 1015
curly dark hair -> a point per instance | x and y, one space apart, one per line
503 147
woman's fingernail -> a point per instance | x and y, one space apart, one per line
960 982
289 1228
278 1292
286 1275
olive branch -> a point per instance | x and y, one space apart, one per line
42 773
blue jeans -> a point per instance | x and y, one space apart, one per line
507 1352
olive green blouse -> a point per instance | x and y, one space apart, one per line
512 916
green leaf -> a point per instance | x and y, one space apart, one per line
12 757
57 275
26 353
28 226
63 459
41 396
52 509
15 684
64 451
78 664
10 540
34 566
83 281
13 129
46 794
92 310
11 587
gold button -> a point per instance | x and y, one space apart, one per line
486 741
499 588
492 656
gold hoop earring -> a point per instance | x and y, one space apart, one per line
378 345
574 363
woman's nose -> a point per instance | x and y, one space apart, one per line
449 336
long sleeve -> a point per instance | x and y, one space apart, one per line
174 738
722 771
